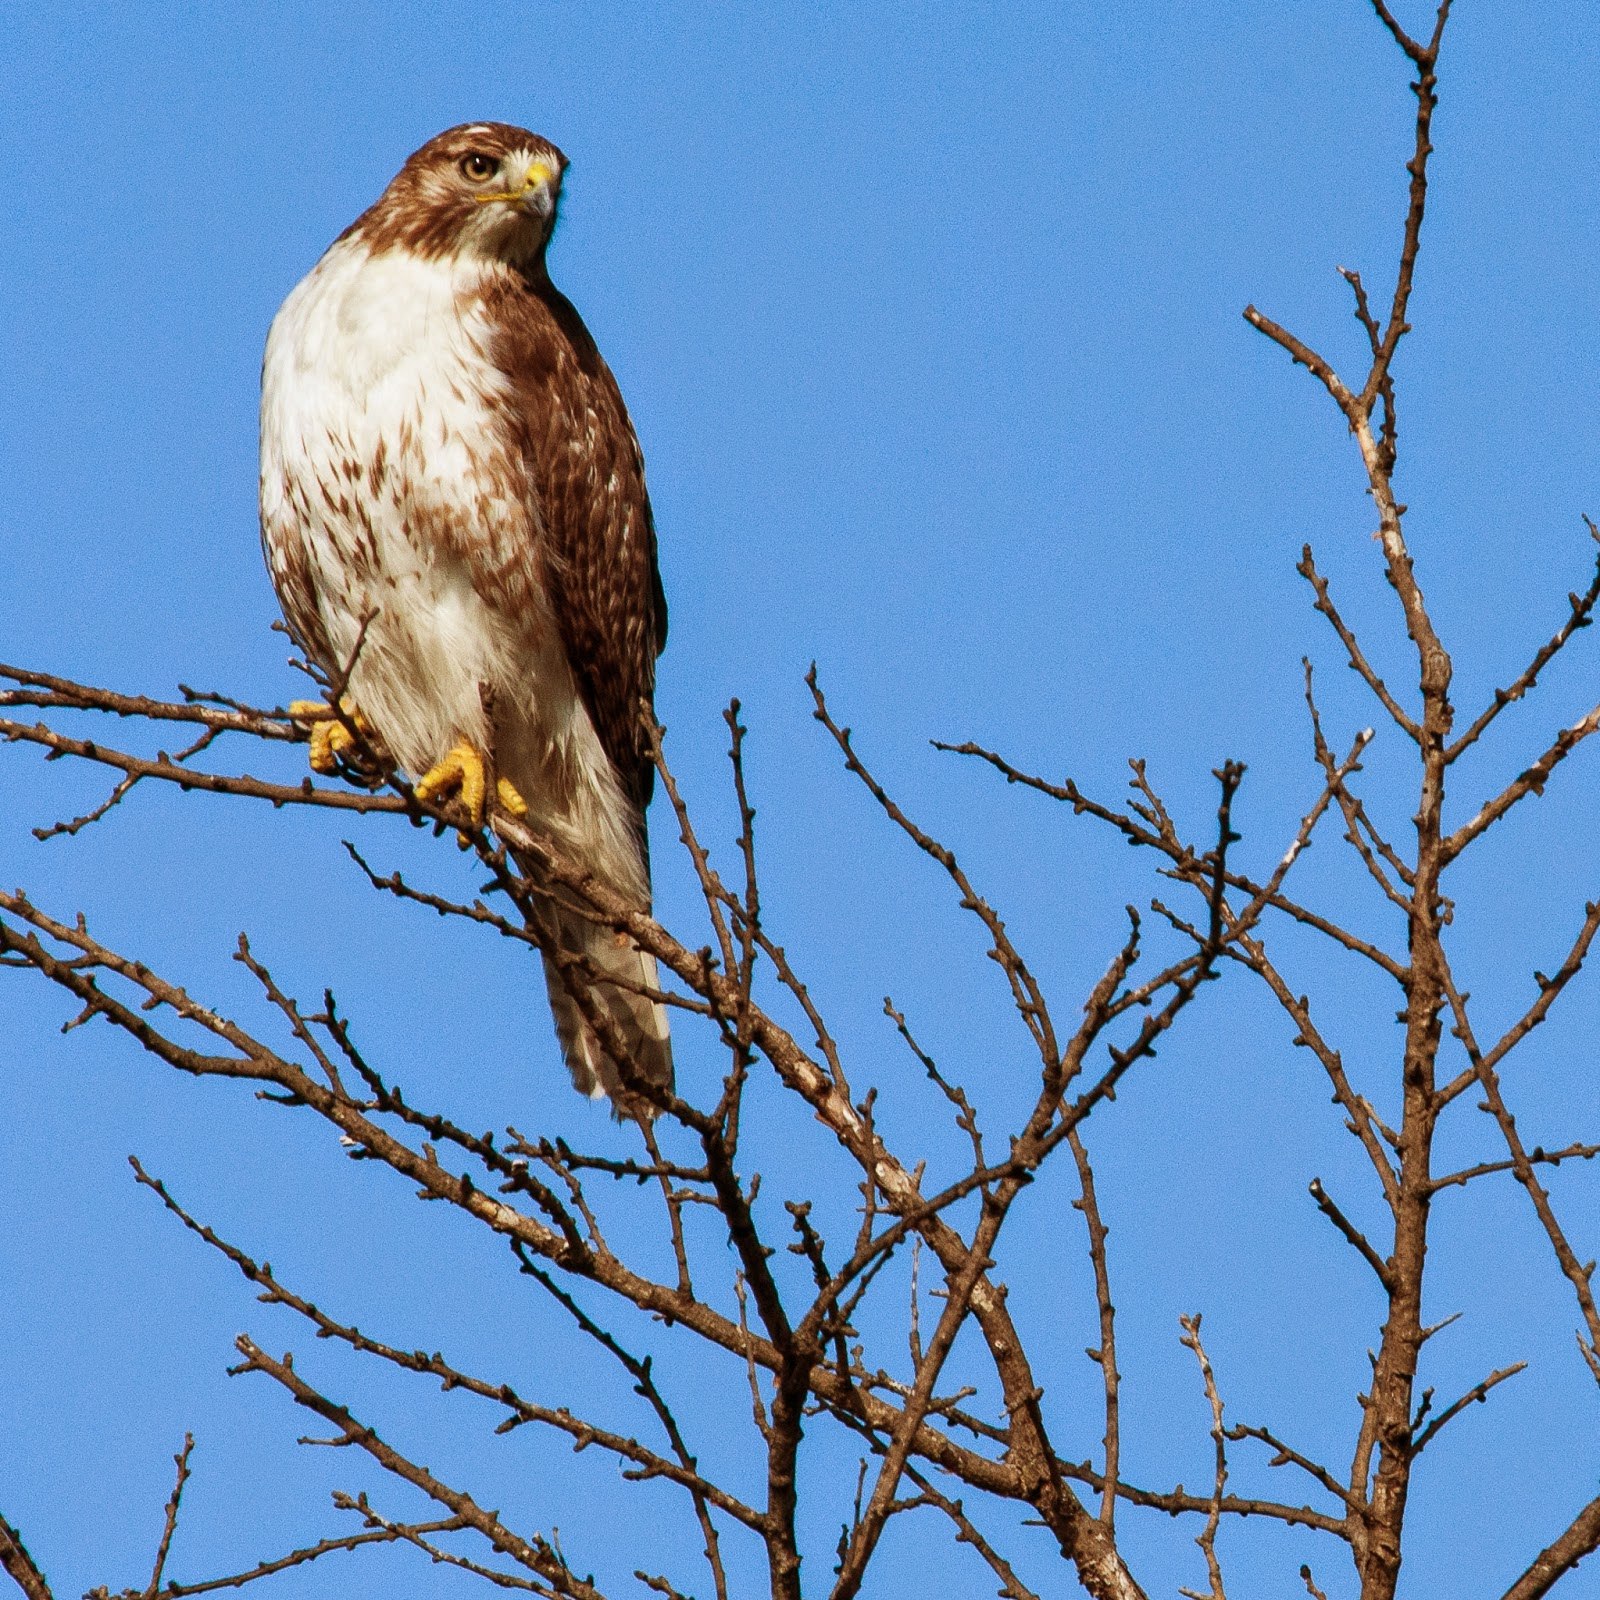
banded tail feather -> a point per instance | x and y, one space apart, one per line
637 1023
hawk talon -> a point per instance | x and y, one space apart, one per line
331 740
461 774
511 802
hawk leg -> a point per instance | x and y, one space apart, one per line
333 745
461 773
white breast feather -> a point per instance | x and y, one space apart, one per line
382 360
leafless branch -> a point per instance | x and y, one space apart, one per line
1358 661
647 1463
1538 1156
1531 781
1352 1234
1286 1456
1140 834
398 1533
420 1536
1474 1396
1580 615
537 1555
1579 1274
1580 1538
19 1566
1105 1356
170 1527
1011 1586
1207 1537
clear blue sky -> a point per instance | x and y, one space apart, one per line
928 318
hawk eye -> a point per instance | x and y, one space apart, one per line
479 168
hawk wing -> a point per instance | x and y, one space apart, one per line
599 540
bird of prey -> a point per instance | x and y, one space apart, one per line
454 514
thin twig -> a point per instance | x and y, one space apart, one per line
1325 1204
536 1554
1474 1396
170 1527
1580 615
1106 1355
1207 1537
1307 569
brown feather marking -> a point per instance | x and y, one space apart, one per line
598 552
418 212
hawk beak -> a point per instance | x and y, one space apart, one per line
538 192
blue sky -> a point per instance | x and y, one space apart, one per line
928 318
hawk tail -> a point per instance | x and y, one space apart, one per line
636 1022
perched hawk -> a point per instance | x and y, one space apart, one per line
449 480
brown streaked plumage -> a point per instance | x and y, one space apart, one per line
447 462
601 559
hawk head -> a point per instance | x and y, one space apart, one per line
484 189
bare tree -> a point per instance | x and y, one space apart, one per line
876 1311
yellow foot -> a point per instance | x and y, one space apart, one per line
511 802
461 773
331 740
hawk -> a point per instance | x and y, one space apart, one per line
454 515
